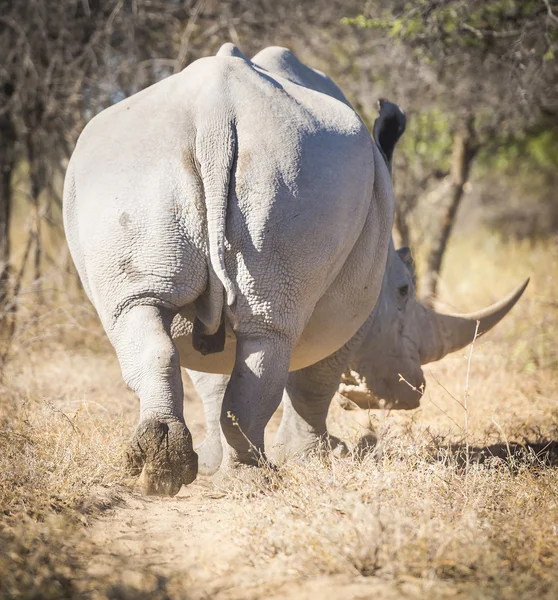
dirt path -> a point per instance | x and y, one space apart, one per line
185 535
184 547
193 546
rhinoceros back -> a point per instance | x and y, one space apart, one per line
208 184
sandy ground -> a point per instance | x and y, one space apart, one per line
189 537
191 543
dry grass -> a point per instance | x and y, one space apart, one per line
419 517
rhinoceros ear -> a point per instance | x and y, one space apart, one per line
388 128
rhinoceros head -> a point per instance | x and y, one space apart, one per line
404 335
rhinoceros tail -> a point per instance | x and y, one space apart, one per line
216 150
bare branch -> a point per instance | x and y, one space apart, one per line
550 13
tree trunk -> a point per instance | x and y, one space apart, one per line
36 229
464 150
7 158
37 182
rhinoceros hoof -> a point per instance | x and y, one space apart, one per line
323 445
247 479
161 454
210 453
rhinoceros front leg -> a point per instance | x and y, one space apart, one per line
253 395
306 402
211 390
161 450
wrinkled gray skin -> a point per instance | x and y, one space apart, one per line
231 196
384 356
384 359
403 335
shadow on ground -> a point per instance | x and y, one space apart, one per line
514 454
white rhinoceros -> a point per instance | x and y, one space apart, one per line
382 361
229 207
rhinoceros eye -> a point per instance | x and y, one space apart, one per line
403 290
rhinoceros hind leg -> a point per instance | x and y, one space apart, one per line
253 395
161 454
161 449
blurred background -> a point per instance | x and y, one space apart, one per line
478 81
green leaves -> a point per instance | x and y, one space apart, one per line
397 28
428 138
441 26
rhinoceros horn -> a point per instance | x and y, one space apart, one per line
442 334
